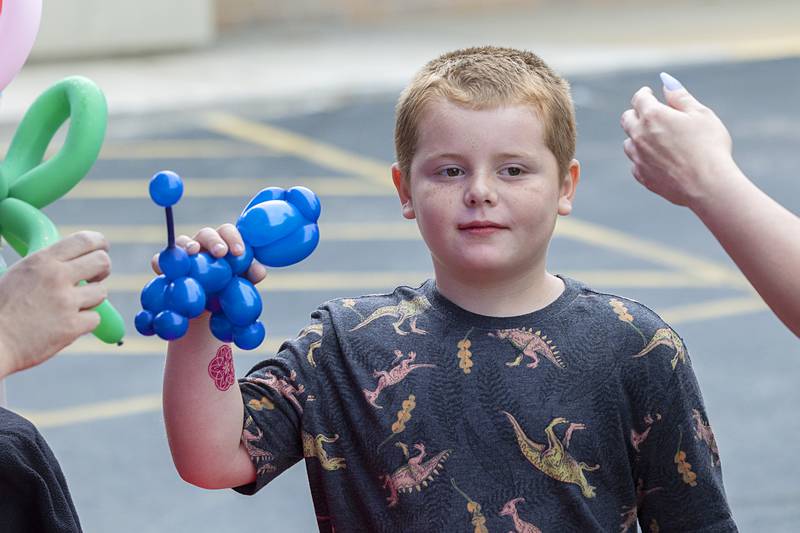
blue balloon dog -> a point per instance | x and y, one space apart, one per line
279 228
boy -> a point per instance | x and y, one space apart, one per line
497 395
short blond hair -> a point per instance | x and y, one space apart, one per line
486 77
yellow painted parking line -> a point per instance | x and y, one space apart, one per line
181 149
346 282
171 149
138 346
293 281
94 411
725 307
692 268
135 345
126 189
649 250
345 161
306 148
151 403
331 231
767 47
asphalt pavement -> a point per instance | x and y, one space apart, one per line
99 407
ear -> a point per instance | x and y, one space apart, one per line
401 183
568 187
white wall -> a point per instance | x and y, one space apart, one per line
85 28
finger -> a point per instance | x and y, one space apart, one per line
92 266
187 243
637 174
644 101
256 273
86 322
232 237
670 82
154 265
211 240
90 295
676 94
630 150
682 100
78 244
629 121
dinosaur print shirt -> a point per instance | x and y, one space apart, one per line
415 415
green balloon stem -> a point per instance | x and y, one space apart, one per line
28 183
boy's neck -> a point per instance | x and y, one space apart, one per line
501 297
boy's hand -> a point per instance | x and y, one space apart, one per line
42 307
217 242
682 150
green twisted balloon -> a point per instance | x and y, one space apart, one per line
27 183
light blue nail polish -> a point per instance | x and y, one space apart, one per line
670 83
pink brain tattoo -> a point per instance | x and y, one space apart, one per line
221 368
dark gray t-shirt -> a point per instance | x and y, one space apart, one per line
413 414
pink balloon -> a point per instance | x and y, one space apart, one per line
19 23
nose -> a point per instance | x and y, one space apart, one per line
481 191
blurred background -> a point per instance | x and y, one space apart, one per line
237 95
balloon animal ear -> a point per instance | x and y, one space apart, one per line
19 24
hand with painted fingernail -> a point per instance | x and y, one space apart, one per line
682 151
679 149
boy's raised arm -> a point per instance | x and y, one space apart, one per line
203 414
203 410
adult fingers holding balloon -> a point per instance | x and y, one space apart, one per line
43 308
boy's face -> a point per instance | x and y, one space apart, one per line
485 190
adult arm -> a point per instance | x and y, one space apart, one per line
42 307
203 410
683 152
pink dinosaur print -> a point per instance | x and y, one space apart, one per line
703 432
282 387
415 474
394 376
529 344
629 514
520 525
638 438
258 454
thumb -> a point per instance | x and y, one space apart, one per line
676 95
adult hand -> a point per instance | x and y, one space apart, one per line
681 150
43 308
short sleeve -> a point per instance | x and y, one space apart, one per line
677 466
275 393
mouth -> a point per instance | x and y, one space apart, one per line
480 227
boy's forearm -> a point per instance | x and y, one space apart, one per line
761 236
203 410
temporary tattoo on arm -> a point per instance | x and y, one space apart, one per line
221 368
